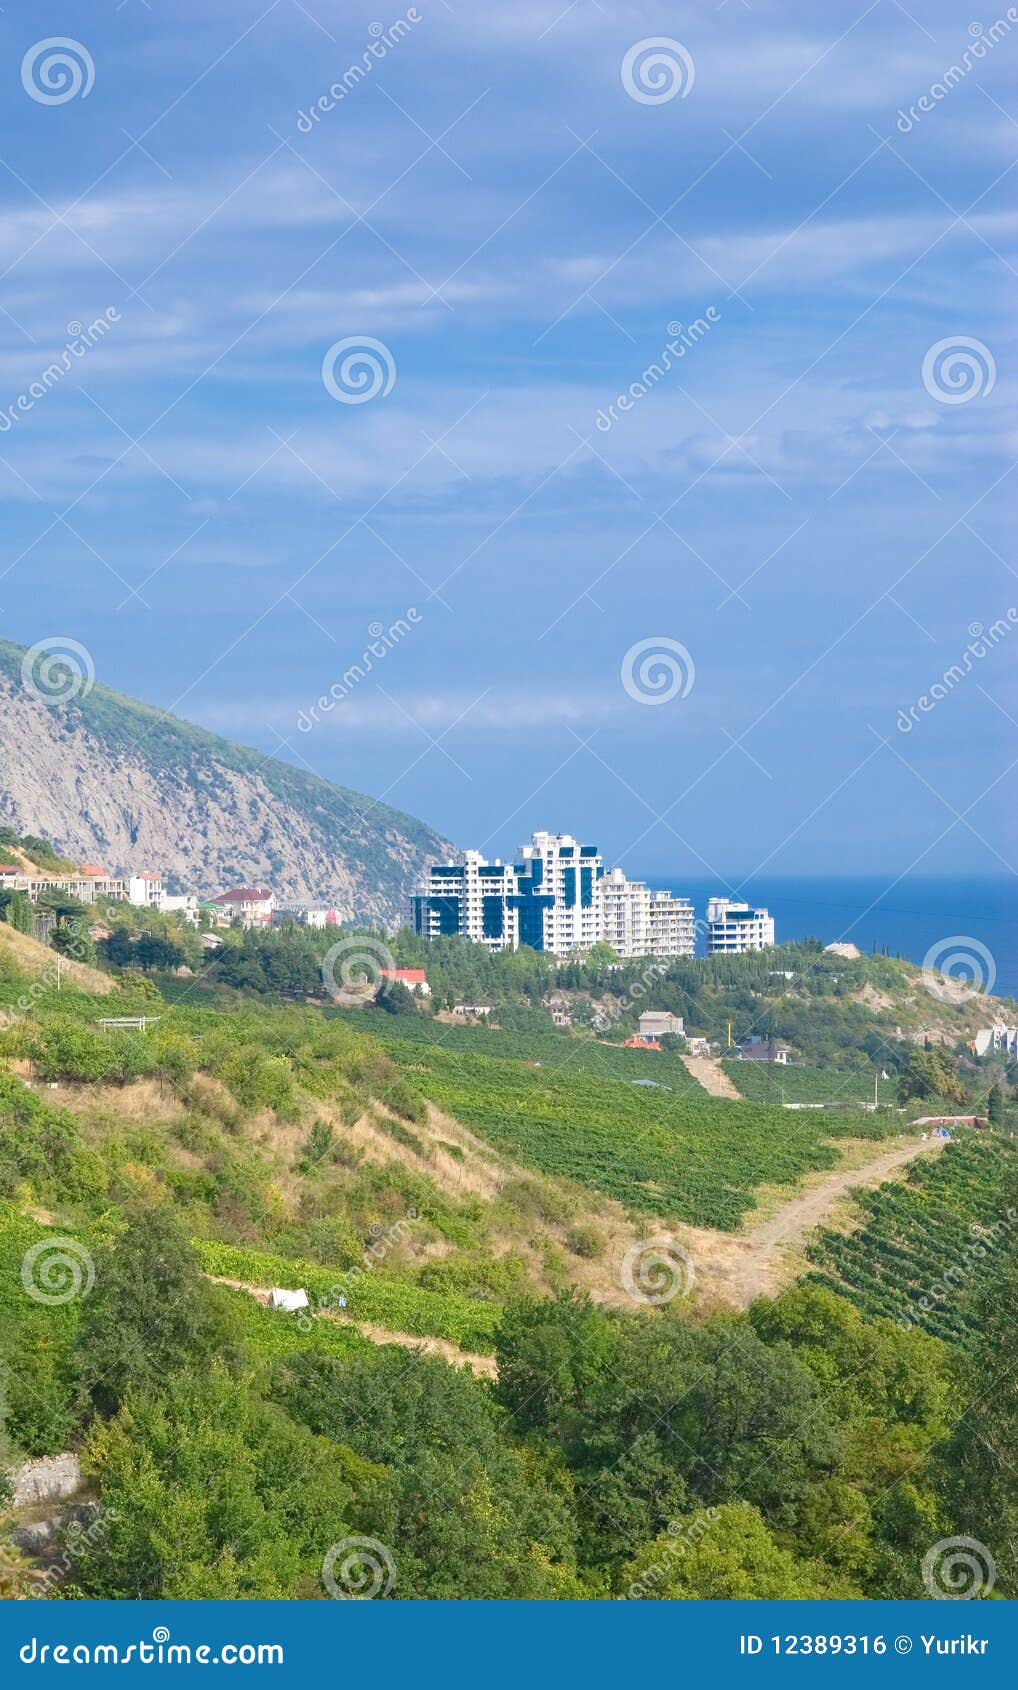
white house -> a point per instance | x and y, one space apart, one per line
414 979
996 1038
185 904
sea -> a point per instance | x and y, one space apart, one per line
912 919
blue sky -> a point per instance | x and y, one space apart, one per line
816 527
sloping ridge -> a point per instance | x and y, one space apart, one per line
40 964
110 779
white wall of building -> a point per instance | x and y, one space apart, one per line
589 905
734 927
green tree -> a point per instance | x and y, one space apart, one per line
466 1514
653 1414
724 1554
996 1105
151 1311
72 939
208 1492
930 1073
16 910
397 999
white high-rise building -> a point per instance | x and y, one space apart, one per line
625 914
474 900
560 906
733 928
672 926
638 922
556 897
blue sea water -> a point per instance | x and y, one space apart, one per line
908 918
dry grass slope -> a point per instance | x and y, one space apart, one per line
37 960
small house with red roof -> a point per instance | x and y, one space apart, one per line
414 979
251 905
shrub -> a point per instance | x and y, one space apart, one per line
585 1241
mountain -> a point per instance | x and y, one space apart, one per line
111 780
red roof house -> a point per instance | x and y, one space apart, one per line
253 904
414 979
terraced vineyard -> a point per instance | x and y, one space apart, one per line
775 1082
686 1155
929 1244
551 1050
374 1296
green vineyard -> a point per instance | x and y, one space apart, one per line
776 1082
929 1244
681 1154
372 1295
550 1050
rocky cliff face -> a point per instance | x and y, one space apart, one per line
110 780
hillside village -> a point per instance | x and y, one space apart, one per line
58 896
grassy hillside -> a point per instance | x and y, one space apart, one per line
558 1051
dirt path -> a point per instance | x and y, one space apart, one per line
735 1269
708 1072
482 1365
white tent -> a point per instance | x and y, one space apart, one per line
291 1301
